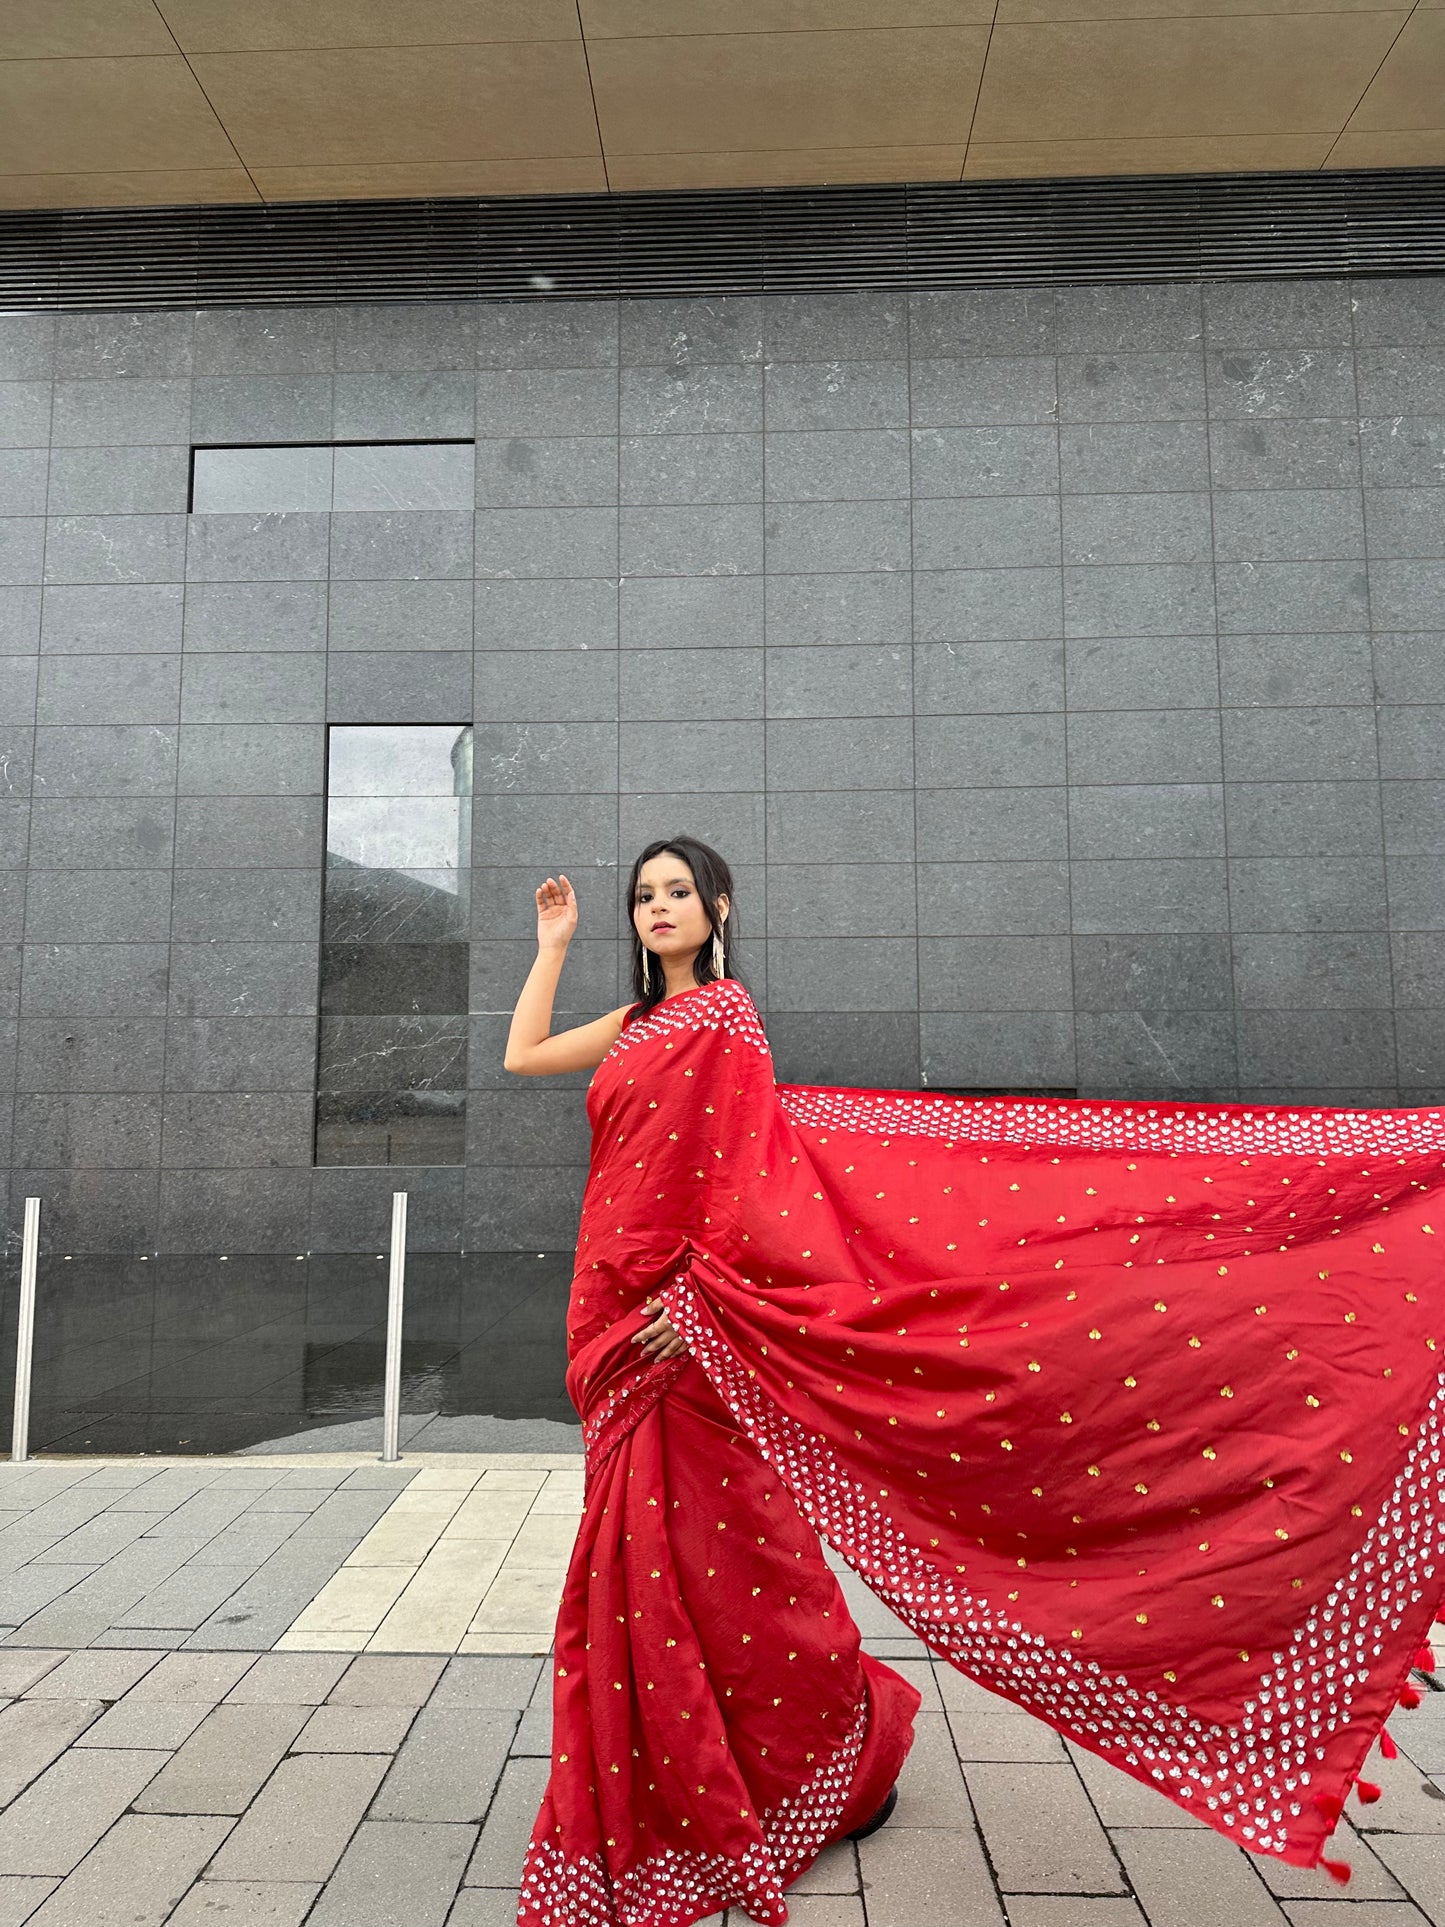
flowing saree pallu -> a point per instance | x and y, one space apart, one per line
1131 1410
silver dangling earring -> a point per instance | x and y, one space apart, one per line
646 968
717 955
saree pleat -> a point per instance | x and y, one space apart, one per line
1132 1412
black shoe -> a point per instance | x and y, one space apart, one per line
880 1818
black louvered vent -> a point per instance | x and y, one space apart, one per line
745 241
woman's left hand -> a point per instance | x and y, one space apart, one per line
658 1339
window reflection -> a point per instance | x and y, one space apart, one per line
392 1062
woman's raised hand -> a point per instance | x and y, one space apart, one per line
556 914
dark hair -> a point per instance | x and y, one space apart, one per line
713 879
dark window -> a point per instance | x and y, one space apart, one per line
392 1068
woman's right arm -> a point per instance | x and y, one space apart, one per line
531 1052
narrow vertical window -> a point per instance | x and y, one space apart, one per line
392 1070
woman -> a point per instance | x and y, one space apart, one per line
1131 1411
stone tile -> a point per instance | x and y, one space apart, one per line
491 1683
1418 1864
157 1725
1199 1879
1122 1801
193 1678
1010 1737
448 1767
353 1729
93 1676
20 1670
396 1873
1367 1913
33 1733
1041 1830
508 1828
533 1737
58 1819
137 1873
1370 1878
484 1907
225 1762
1049 1910
298 1826
19 1897
375 1679
299 1679
1411 1804
246 1903
911 1876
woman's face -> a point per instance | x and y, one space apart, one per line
667 896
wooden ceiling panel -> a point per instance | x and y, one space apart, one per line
791 168
372 106
433 180
1025 160
73 29
1412 147
1153 79
1409 89
224 26
654 19
106 116
739 93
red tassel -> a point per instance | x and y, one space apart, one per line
1367 1791
1330 1805
1409 1698
1425 1658
1388 1748
1338 1870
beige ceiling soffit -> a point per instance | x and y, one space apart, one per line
654 19
1405 147
1024 160
629 172
736 93
423 180
1409 89
106 116
74 29
268 26
184 188
371 106
1013 13
1162 79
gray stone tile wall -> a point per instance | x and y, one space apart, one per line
1063 673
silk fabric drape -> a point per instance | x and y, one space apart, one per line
1131 1410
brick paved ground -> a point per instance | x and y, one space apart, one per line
173 1776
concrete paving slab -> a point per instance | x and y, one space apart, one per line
156 1725
299 1824
288 1679
387 1679
93 1676
448 1766
136 1874
1418 1864
497 1861
225 1762
1188 1879
248 1903
1042 1833
193 1678
1073 1910
19 1670
354 1729
33 1733
1367 1913
911 1876
58 1819
20 1896
1370 1878
492 1682
396 1873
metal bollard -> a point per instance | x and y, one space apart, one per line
391 1406
25 1334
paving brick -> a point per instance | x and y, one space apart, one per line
1370 1878
355 1729
1072 1910
825 1910
492 1683
1122 1801
1188 1879
299 1824
1412 1803
262 1609
225 1762
385 1679
188 1597
19 1897
289 1679
58 1819
484 1907
1367 1913
911 1877
93 1676
35 1732
23 1593
136 1874
1041 1831
156 1724
835 1871
193 1678
96 1602
448 1767
100 1538
1421 1735
396 1873
1015 1737
248 1903
497 1861
20 1670
930 1787
534 1733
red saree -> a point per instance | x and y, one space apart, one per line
1131 1410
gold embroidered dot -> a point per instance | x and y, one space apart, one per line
1131 1382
